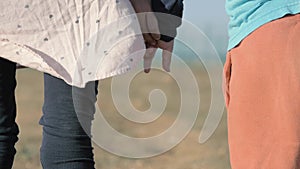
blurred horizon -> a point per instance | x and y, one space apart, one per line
211 18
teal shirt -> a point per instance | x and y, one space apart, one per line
248 15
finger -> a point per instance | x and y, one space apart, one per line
152 25
166 60
167 54
150 53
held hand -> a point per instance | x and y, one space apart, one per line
167 48
147 20
151 34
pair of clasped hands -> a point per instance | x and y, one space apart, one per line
151 34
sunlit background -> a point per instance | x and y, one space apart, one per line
210 17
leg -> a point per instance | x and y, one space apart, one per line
263 98
8 127
66 144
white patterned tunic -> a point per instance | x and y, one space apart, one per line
75 40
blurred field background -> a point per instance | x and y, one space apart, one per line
189 154
210 18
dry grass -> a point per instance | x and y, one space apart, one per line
189 154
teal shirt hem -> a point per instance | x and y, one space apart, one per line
262 18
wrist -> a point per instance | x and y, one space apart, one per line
168 19
141 6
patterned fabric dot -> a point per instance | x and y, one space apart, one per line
120 32
77 21
19 26
90 73
50 16
26 6
88 44
131 60
117 1
46 39
17 52
98 21
62 58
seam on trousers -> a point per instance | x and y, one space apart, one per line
226 79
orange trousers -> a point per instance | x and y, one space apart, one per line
262 90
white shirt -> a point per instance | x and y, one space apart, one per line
77 41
